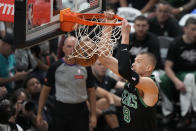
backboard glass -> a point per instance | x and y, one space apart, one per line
38 20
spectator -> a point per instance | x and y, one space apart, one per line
42 66
25 111
25 61
33 88
71 82
144 41
104 85
7 64
162 24
104 81
106 105
143 5
7 121
180 68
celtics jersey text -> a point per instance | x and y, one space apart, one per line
137 116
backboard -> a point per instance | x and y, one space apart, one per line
38 20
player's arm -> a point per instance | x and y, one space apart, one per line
149 90
124 63
123 55
111 62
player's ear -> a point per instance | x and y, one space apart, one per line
149 68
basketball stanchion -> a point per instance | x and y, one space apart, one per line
95 35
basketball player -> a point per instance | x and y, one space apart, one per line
140 93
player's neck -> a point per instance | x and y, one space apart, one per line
146 74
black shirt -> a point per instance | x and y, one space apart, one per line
108 83
149 44
138 4
137 116
182 55
178 3
169 28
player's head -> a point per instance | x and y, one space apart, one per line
162 12
190 29
98 69
141 26
144 64
68 46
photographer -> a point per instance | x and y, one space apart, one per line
7 113
25 111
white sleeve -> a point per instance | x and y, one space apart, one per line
19 127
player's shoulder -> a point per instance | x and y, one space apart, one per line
148 84
146 80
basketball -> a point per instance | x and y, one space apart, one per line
84 53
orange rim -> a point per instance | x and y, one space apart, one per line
68 19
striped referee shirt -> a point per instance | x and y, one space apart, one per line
70 82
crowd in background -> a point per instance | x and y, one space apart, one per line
23 72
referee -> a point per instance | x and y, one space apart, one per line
73 85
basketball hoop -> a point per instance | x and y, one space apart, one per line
94 35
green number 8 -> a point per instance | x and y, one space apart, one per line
126 114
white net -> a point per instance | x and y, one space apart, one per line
97 39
